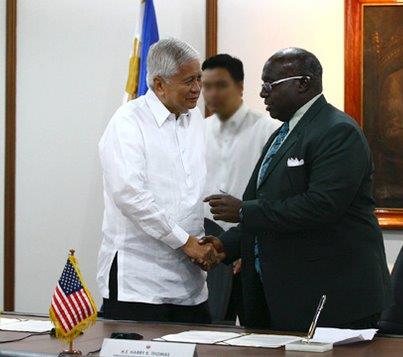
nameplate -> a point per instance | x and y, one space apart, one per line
132 348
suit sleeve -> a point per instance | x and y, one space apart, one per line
338 166
231 240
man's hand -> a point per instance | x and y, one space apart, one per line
224 207
203 254
219 249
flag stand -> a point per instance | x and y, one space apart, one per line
71 351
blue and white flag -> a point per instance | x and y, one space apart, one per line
146 34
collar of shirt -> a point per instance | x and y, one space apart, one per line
160 111
301 111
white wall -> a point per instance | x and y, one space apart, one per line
2 119
253 30
72 66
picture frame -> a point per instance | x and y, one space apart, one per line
374 95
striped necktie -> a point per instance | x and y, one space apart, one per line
272 151
263 172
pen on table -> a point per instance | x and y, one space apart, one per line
312 328
225 193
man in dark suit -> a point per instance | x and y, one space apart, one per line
306 222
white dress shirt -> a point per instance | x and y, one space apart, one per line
233 148
154 176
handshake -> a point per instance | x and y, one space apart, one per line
206 252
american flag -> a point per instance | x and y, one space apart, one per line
72 304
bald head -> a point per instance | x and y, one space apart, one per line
295 61
284 98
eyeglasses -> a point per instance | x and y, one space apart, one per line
268 86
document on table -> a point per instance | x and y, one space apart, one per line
342 336
195 336
261 340
5 321
230 338
25 325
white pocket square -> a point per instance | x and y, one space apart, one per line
293 162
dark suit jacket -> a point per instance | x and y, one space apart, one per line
316 229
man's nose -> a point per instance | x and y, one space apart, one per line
263 93
196 86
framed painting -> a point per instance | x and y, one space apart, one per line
374 95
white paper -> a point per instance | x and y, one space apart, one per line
230 338
25 325
195 336
261 340
5 321
342 336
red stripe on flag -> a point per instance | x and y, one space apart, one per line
68 306
63 307
63 312
82 304
57 315
74 309
71 308
80 296
77 306
87 301
63 316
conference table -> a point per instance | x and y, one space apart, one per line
91 340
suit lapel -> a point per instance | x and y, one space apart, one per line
292 137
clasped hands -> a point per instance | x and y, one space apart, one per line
209 251
206 252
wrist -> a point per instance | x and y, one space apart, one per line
184 246
191 239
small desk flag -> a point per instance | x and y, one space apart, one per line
72 309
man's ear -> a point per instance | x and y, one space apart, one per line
158 86
240 87
304 84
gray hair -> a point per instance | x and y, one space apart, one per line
166 56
